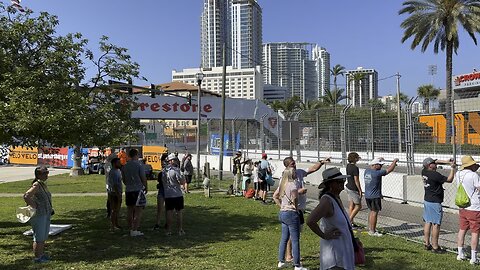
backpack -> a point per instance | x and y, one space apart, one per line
262 172
461 197
250 193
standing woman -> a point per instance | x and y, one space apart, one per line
39 197
188 171
286 196
336 246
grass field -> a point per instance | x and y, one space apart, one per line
222 233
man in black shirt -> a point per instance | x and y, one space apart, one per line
432 205
353 188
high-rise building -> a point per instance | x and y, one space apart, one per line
363 88
322 68
289 65
238 24
246 21
215 31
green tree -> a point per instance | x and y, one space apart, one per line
403 99
428 92
333 97
45 98
337 70
438 22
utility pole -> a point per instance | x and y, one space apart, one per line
222 122
399 125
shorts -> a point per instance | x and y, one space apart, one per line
115 201
432 212
354 196
131 197
174 203
256 186
469 220
161 194
40 227
188 178
374 204
263 185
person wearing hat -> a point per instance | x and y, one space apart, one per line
264 169
373 191
469 218
172 184
432 205
133 176
335 231
237 171
286 196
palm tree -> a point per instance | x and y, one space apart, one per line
437 22
333 97
428 92
337 70
309 105
356 77
403 99
290 106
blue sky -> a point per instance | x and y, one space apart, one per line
162 35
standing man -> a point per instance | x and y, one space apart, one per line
298 176
469 217
353 187
237 171
173 194
432 205
187 171
373 191
263 171
115 190
135 186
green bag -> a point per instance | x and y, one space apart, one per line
461 198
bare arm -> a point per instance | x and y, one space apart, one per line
451 176
323 209
357 183
28 196
392 166
276 197
315 167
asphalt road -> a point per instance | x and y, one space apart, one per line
19 173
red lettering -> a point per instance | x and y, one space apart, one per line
155 107
184 107
166 107
143 106
175 106
207 108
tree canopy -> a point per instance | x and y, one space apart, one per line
45 97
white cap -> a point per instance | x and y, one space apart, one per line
171 156
376 161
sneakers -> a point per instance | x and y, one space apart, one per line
376 234
439 250
181 232
461 257
355 226
281 265
156 227
300 268
427 247
42 259
136 233
474 261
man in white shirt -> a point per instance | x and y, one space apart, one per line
469 217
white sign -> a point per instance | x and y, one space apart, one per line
171 108
466 81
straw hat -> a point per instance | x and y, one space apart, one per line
467 161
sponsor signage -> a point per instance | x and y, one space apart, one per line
23 155
54 157
466 80
152 154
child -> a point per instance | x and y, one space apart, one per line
256 184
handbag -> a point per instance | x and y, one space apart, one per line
299 212
141 199
25 213
359 251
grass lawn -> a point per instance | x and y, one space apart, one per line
222 233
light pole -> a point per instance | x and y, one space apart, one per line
199 77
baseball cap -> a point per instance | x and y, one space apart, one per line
376 161
428 161
171 157
264 155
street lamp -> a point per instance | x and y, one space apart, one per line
199 76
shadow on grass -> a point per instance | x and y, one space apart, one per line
90 242
375 259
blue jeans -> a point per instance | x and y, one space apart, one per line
290 230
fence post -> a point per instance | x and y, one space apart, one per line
317 133
409 139
262 131
343 137
278 134
246 135
297 142
371 132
